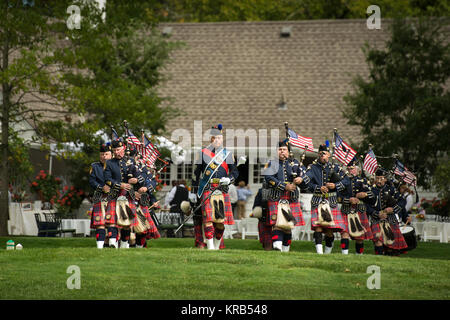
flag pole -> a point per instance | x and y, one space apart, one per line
291 153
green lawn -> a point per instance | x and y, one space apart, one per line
173 269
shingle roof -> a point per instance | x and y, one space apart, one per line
235 73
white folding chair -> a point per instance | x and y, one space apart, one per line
249 227
230 230
306 231
433 231
446 232
296 232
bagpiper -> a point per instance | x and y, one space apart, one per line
215 170
283 177
382 209
99 199
325 180
120 175
357 226
260 211
143 225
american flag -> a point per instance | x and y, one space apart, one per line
149 153
343 152
370 162
402 171
132 139
299 141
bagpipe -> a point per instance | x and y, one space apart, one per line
325 216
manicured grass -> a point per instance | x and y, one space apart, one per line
171 269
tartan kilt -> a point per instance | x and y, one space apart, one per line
365 223
296 210
198 233
207 208
97 218
265 233
399 241
111 209
337 218
152 232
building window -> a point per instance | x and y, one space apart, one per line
185 171
164 176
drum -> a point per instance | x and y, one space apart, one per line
409 234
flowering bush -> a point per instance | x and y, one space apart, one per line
70 199
158 185
46 186
437 207
433 207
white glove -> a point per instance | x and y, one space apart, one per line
225 181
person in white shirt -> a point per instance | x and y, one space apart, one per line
243 193
233 199
407 194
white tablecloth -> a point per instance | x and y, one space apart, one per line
22 220
81 226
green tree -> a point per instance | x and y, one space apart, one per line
441 178
282 10
71 82
403 106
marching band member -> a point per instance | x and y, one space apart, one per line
143 224
407 195
120 175
215 170
261 211
357 226
97 182
325 180
382 209
283 177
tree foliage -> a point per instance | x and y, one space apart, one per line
403 106
69 83
281 10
